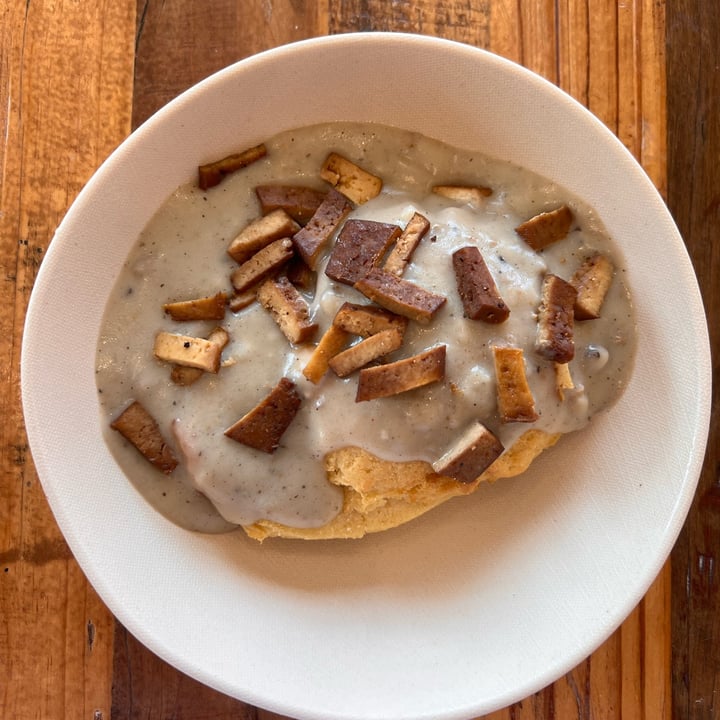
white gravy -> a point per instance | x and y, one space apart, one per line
182 254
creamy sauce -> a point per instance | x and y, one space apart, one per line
182 254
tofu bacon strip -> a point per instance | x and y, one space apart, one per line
400 296
260 233
479 295
213 173
288 308
371 348
299 202
546 228
403 375
359 248
475 451
263 263
472 194
193 352
563 380
204 308
592 281
183 375
263 426
311 240
350 179
334 339
401 254
141 430
555 338
366 320
514 397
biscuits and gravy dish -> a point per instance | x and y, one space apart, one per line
333 332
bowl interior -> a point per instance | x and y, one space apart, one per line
481 602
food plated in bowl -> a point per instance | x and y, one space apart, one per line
500 578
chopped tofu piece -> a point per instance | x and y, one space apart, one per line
400 256
260 233
263 427
300 203
213 173
220 337
140 428
515 400
563 380
300 275
311 240
475 451
592 281
400 296
239 301
359 247
288 308
473 194
184 375
331 343
364 352
261 264
479 295
546 228
554 339
366 320
399 377
205 308
351 180
186 350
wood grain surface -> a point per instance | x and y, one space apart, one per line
693 61
75 77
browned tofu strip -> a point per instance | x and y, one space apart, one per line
514 397
300 203
359 247
331 343
205 308
401 376
311 240
365 320
213 173
239 301
263 427
563 380
261 264
554 340
479 295
475 451
400 296
400 256
592 281
260 233
141 430
364 352
184 375
186 350
299 274
288 308
474 194
351 180
546 228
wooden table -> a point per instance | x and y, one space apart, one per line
76 77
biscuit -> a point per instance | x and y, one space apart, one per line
380 494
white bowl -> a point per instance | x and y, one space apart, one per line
481 602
